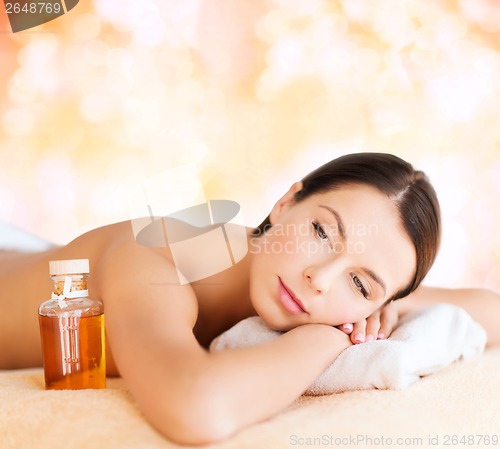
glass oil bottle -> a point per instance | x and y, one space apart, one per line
72 330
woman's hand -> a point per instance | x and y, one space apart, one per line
377 326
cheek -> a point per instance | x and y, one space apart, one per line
346 308
295 248
263 268
277 250
360 313
346 315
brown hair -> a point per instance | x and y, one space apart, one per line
409 189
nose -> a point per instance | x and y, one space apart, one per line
320 277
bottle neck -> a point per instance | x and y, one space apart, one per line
73 285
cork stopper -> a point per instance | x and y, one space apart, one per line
72 266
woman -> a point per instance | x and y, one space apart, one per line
336 249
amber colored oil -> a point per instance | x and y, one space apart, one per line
73 352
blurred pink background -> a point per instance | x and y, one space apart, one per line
237 99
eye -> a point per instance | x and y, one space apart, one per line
320 231
359 285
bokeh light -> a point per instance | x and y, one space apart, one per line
254 94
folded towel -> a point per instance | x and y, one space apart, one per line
423 342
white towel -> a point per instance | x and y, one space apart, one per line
13 238
423 342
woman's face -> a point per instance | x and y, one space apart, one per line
332 258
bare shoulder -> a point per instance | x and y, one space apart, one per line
128 271
138 283
146 306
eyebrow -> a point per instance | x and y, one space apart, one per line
376 278
341 231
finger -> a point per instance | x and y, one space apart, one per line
372 327
346 328
358 332
388 320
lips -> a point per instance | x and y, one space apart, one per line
288 300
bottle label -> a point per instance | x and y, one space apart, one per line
67 293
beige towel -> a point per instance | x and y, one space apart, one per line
423 342
461 400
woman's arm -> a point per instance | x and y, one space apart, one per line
188 394
482 305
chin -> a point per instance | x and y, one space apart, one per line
283 328
276 323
